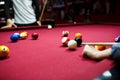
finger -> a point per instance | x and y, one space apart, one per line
15 26
39 23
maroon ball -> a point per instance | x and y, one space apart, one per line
35 36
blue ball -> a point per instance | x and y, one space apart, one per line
117 39
14 37
18 34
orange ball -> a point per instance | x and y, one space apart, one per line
4 51
78 35
100 47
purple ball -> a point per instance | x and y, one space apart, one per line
117 39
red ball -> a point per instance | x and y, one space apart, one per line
35 36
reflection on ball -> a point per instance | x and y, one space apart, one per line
72 44
4 51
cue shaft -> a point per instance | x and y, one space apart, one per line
43 9
99 43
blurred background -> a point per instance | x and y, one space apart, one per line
77 11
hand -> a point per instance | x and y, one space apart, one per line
39 23
10 24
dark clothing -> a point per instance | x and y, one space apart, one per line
115 55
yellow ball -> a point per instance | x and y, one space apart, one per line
23 35
25 32
4 51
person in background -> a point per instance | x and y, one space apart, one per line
25 12
112 53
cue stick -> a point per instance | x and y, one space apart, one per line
99 43
44 5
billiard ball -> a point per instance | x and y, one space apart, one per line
18 34
14 37
75 22
25 32
4 51
72 44
78 35
65 40
79 41
34 36
65 33
117 39
49 26
100 47
23 35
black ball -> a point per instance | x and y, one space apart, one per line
79 41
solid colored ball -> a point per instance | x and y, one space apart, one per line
79 41
117 39
78 35
14 37
65 40
65 33
23 35
100 47
4 51
34 36
18 34
49 26
72 44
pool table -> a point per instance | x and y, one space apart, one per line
47 59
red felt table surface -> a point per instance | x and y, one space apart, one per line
46 58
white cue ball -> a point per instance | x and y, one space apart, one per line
49 26
72 44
